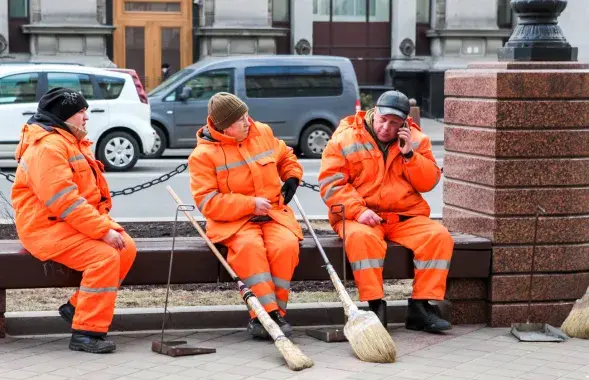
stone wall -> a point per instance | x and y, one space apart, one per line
517 136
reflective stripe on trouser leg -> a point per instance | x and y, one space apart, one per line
365 249
100 266
247 256
432 247
283 256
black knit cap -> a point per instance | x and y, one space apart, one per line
62 103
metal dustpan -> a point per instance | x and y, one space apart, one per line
176 347
536 332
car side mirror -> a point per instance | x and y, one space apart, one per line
186 93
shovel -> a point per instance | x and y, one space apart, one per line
536 332
176 347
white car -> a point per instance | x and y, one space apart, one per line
119 113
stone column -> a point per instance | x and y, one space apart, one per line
302 26
517 137
3 28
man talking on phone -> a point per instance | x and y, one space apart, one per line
377 164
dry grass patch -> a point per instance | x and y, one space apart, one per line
190 295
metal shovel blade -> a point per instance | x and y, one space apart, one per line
537 332
327 334
178 348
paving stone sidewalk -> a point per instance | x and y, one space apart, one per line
467 352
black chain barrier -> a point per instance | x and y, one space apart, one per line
130 190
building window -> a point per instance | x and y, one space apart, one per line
351 10
292 81
422 25
280 11
18 9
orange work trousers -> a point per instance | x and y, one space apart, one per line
264 256
103 270
429 240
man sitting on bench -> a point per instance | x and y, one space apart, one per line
376 165
61 202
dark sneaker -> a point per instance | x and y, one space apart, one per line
281 322
379 307
421 316
67 311
256 330
92 344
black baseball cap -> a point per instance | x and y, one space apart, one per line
393 103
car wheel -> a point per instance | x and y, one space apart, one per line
160 143
118 151
314 140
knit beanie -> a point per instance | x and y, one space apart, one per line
225 109
62 103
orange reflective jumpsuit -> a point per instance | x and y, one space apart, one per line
354 173
225 176
61 202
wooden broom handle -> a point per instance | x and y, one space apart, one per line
203 234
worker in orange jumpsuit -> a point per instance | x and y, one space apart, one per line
235 177
61 202
376 165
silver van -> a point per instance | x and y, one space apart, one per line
302 98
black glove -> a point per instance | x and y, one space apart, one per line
289 188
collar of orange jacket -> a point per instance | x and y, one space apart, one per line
222 138
31 133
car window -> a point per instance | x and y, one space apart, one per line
19 88
74 81
207 84
110 87
170 82
292 81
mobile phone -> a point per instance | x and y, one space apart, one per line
402 142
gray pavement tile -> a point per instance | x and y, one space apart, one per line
320 373
18 374
166 369
245 371
47 377
470 367
232 360
366 376
275 375
501 357
455 358
264 364
215 367
225 376
458 374
537 376
72 373
503 372
386 369
192 373
565 366
492 377
576 376
412 374
551 371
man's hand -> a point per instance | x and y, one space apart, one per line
369 218
289 188
405 136
114 239
262 206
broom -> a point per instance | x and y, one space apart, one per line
295 359
576 325
369 339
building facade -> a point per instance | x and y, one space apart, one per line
406 44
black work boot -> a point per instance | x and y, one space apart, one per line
379 307
281 322
93 343
421 316
67 311
257 330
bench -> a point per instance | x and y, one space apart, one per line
195 263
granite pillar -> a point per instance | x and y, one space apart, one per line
517 137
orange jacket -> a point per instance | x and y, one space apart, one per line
225 176
60 196
354 173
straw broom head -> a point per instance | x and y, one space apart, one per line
369 339
295 359
577 323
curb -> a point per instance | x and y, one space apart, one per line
200 317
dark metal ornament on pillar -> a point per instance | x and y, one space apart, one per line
537 36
